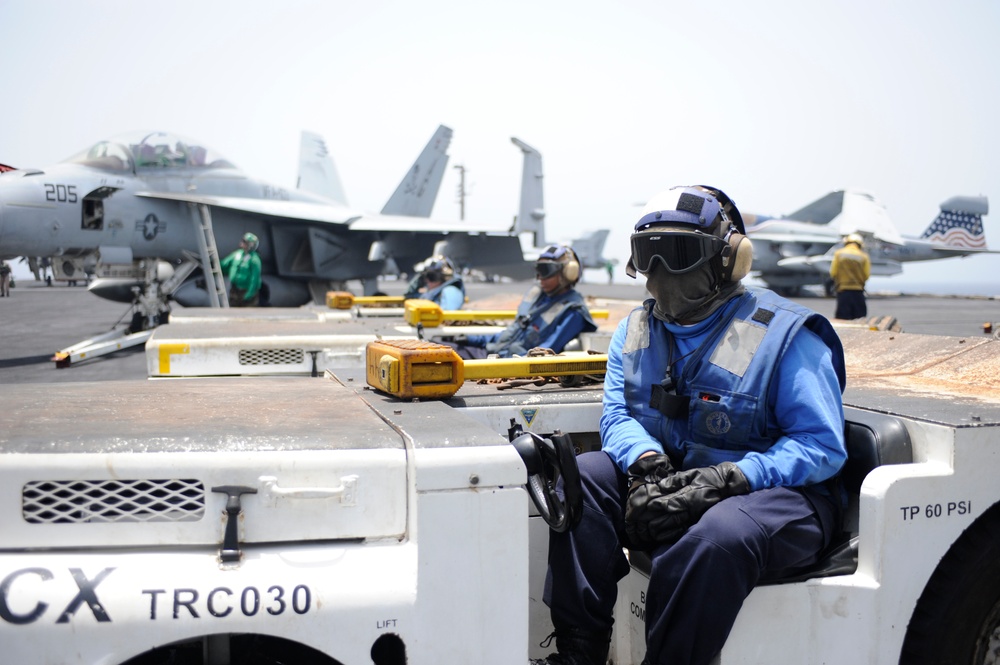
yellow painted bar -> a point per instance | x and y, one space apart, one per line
411 368
167 350
510 368
430 315
347 300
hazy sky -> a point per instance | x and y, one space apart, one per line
776 102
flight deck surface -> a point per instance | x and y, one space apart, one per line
934 378
958 412
40 320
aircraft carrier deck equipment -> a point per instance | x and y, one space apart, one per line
301 346
306 521
347 300
322 521
430 315
100 345
419 369
289 342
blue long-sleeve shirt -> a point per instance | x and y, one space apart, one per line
803 406
451 298
450 295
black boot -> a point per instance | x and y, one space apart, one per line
578 647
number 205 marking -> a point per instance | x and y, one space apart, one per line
60 193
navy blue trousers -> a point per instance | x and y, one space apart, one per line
851 305
697 585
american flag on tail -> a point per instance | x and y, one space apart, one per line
957 229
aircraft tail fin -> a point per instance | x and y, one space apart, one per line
415 195
960 223
849 211
4 168
317 173
863 213
531 211
822 211
590 248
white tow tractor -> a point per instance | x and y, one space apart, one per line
276 520
307 341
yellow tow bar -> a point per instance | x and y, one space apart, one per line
430 315
425 312
347 300
412 368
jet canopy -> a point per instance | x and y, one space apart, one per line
150 150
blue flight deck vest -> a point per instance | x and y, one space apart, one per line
726 380
537 318
434 295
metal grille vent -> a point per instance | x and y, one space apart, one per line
271 356
83 501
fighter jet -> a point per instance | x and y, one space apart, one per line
796 250
158 196
589 248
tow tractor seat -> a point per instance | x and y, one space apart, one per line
872 440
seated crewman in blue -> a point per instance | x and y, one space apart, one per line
439 282
722 433
551 314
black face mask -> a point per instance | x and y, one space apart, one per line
689 297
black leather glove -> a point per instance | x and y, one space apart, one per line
645 475
660 511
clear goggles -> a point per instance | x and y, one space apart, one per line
678 251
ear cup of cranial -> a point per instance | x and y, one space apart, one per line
737 258
571 269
